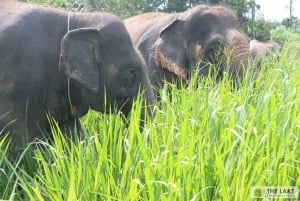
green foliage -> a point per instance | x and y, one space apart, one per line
285 36
289 40
262 30
206 142
65 4
127 8
291 23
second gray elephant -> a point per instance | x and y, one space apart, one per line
260 49
173 43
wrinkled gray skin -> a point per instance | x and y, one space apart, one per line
40 48
260 49
173 43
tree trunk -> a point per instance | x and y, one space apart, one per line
253 4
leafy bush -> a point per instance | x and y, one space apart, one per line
65 4
283 35
289 40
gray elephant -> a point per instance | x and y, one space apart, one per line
260 49
173 43
61 64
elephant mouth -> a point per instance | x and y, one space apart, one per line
212 63
124 104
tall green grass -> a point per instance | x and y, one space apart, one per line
207 141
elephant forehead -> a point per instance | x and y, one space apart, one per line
222 11
216 10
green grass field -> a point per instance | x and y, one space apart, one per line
206 142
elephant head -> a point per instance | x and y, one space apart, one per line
173 43
57 64
261 49
87 58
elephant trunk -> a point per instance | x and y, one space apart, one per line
238 51
150 99
148 96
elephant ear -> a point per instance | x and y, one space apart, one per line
174 23
169 48
169 27
80 57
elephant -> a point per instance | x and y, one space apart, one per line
173 44
57 65
260 49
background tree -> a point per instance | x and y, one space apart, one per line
125 8
247 10
292 19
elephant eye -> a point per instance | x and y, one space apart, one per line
132 70
130 75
